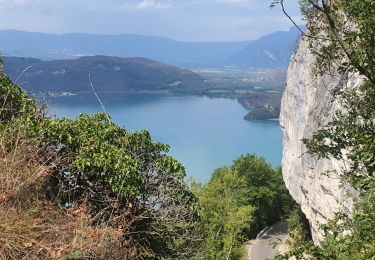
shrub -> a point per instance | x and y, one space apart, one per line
127 195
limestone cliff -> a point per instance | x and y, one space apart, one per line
307 104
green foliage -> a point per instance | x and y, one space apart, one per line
267 191
105 163
224 214
14 102
346 27
346 237
347 30
237 203
351 237
298 221
103 150
354 132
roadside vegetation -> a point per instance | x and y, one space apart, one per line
237 203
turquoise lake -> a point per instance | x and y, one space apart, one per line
203 133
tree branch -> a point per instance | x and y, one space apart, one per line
290 18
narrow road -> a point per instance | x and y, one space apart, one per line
268 244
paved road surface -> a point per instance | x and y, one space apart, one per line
267 245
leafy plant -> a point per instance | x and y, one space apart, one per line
14 102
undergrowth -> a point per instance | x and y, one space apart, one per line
31 225
86 188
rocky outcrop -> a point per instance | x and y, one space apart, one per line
266 112
307 104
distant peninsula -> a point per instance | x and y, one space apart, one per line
107 74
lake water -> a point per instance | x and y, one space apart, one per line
204 133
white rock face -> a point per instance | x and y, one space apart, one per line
308 103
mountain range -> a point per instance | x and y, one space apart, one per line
271 51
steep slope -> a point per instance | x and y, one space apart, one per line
107 73
271 51
307 104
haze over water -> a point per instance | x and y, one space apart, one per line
203 133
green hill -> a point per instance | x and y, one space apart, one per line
107 74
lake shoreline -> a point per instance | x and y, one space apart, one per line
253 113
203 133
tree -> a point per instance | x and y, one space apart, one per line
267 191
224 214
237 203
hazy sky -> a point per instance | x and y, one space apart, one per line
193 20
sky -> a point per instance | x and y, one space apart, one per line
185 20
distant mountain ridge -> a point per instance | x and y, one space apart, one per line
271 51
54 46
107 74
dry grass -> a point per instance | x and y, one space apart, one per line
21 173
31 226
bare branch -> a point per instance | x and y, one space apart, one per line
97 97
290 18
27 68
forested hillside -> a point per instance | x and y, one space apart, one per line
107 73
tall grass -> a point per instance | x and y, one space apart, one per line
31 225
